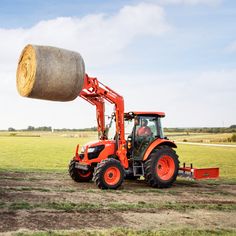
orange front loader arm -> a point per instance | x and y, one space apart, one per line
95 93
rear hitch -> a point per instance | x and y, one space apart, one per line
198 173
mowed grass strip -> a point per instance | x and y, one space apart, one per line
133 232
140 206
168 192
27 189
21 189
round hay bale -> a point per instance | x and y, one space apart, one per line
50 73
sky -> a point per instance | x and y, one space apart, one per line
175 56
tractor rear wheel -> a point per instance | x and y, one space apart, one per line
161 168
79 175
109 174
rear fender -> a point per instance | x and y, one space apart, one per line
155 144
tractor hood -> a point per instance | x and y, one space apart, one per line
92 144
94 152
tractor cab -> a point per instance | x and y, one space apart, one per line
146 127
141 129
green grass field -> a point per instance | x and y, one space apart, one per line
47 152
52 152
220 138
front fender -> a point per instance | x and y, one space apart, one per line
155 143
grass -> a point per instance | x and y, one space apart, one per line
43 153
2 205
20 189
201 137
20 206
114 206
133 232
52 152
134 192
205 156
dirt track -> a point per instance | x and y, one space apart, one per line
45 201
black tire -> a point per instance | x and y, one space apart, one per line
105 178
156 174
79 175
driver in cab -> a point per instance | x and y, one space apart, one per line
144 130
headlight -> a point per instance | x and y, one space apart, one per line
98 148
91 149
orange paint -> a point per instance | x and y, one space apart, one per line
156 143
165 167
112 175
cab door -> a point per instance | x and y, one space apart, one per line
145 131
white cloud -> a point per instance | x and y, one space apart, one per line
188 98
101 39
190 2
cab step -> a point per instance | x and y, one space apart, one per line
138 169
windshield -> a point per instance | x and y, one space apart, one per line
149 126
129 125
152 122
111 128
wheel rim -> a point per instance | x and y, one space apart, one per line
112 175
165 167
84 173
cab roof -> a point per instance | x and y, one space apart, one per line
145 113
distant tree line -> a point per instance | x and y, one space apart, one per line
84 129
231 129
232 138
49 129
214 130
32 128
41 128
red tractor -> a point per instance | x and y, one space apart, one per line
136 148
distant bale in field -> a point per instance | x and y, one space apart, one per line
50 73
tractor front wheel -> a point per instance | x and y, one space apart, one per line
79 175
161 168
109 174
